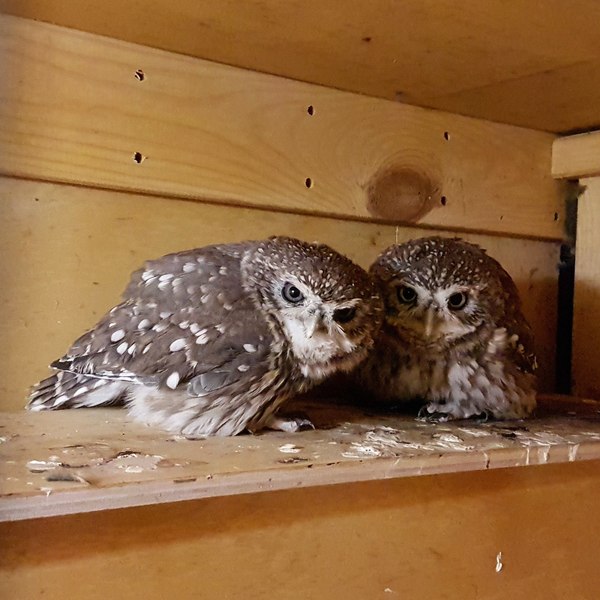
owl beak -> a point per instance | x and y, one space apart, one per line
429 321
314 324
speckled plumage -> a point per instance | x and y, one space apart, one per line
211 341
461 361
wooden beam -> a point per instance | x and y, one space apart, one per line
66 253
586 326
73 110
576 156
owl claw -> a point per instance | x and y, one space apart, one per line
432 416
290 424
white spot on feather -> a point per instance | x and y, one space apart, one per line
117 335
144 324
189 267
122 348
173 380
202 337
243 368
178 344
249 348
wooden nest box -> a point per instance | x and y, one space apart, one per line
132 129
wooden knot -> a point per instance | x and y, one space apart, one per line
401 194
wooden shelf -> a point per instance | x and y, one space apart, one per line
66 462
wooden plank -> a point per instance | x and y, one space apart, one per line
66 253
72 110
562 99
56 463
586 328
576 156
419 538
498 60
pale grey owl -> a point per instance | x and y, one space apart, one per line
453 337
212 341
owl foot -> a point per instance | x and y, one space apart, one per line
289 424
434 416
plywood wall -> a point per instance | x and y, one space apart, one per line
66 253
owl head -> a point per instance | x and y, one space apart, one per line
328 308
439 291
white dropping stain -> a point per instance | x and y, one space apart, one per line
39 466
499 564
134 469
289 449
573 452
46 490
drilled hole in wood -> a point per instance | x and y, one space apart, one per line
308 182
446 135
311 110
367 39
556 216
443 200
140 75
138 158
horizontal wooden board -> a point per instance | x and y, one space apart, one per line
64 462
517 533
576 155
66 253
564 98
503 61
73 110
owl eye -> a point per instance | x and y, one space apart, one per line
406 294
457 301
344 315
290 293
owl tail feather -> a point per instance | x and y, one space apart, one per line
73 390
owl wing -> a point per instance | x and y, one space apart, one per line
186 319
520 335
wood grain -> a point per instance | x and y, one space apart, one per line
421 538
586 328
65 462
508 62
66 253
576 156
72 110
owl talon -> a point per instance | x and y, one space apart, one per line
290 424
428 414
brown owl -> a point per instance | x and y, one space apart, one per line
212 341
453 336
